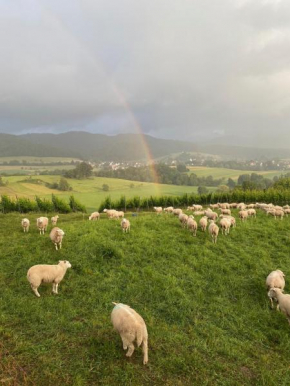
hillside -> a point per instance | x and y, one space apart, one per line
206 308
122 147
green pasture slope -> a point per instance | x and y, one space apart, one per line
205 305
90 192
201 171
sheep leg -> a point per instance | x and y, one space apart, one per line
34 289
131 349
56 288
145 351
55 246
53 288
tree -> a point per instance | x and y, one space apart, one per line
223 188
231 183
202 190
105 187
82 170
181 168
64 185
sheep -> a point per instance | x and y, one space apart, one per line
169 209
56 236
191 208
243 215
54 220
42 223
198 212
125 225
225 211
111 213
241 206
286 212
197 207
183 219
214 206
233 205
94 216
224 206
251 206
283 301
44 273
177 212
203 223
211 215
158 209
192 225
275 213
213 230
225 224
252 212
25 223
275 279
121 214
286 207
131 327
231 218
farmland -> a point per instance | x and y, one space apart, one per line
205 305
90 192
201 171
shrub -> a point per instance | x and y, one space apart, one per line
76 206
60 205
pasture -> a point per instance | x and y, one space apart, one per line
201 171
90 191
205 305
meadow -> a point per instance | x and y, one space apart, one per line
201 171
205 306
90 191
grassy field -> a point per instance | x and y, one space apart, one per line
37 159
205 305
90 192
201 171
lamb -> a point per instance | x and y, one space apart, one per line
44 273
211 215
243 215
54 220
125 225
158 209
213 230
192 225
25 223
225 224
131 327
283 301
42 223
56 236
94 216
275 280
183 219
203 223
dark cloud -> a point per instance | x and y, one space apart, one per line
176 69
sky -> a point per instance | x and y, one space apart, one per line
183 69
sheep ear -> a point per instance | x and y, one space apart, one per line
65 261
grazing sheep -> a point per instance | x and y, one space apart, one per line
191 208
231 218
214 206
25 223
203 223
158 209
197 207
275 213
286 207
211 215
286 211
94 216
243 215
169 209
275 280
111 213
233 205
54 220
213 230
198 212
125 225
131 327
225 211
283 301
183 219
251 206
225 224
252 213
192 225
56 236
42 223
44 273
121 214
224 205
177 212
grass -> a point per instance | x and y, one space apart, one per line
90 192
201 171
205 305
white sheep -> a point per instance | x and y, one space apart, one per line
211 215
231 218
54 220
243 215
111 213
283 301
203 223
177 212
225 211
192 225
252 213
183 219
125 225
121 214
158 209
213 230
275 279
42 223
25 223
225 224
94 216
131 327
56 236
44 273
169 209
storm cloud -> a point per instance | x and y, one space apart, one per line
173 69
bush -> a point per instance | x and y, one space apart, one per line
60 205
76 206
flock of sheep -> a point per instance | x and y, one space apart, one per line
128 322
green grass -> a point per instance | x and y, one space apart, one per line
205 305
89 192
37 159
201 171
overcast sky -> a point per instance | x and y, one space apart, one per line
187 69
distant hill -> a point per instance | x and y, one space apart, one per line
122 147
